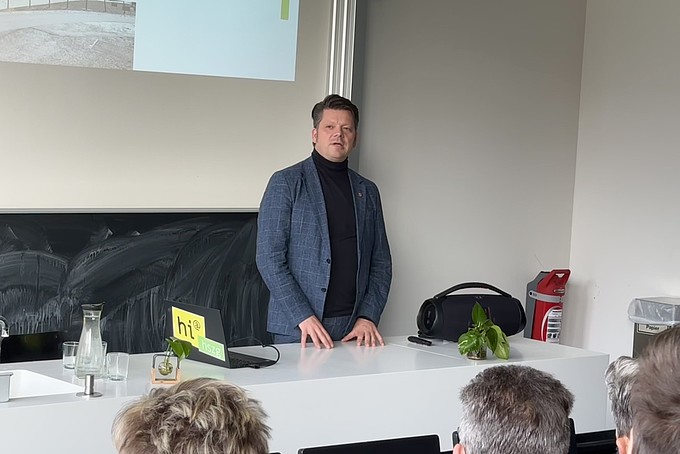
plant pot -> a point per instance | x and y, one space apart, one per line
478 355
165 369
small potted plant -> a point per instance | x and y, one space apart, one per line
482 335
166 365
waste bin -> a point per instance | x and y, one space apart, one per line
652 316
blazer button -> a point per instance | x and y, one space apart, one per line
323 289
328 260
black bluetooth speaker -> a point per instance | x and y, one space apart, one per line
446 316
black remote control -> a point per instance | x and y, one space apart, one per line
419 340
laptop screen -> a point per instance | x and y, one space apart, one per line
202 327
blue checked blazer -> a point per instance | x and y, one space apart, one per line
294 251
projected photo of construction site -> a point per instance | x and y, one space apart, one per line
87 33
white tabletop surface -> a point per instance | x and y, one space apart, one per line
389 383
300 364
295 364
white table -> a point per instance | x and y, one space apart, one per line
313 397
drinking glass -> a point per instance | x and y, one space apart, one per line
69 352
117 365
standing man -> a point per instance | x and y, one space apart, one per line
322 248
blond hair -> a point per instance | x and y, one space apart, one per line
200 416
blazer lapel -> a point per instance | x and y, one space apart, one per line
359 194
315 193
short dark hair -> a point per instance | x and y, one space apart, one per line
334 102
515 409
656 396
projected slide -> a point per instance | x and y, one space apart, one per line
235 38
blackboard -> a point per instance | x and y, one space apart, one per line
51 263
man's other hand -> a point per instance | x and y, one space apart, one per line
313 328
366 333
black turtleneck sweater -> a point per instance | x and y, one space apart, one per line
337 193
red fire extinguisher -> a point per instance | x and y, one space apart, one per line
544 305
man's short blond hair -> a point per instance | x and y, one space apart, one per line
200 416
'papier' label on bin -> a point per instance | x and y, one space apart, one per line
650 329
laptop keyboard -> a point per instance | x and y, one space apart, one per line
238 362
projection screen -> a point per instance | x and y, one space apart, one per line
75 138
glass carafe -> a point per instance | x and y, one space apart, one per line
91 356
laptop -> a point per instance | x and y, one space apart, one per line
421 444
202 327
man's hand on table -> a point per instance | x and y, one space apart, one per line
313 328
366 333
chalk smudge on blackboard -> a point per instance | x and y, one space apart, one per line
51 263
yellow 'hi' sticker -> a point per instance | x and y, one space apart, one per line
187 326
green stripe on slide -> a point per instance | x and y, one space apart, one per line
285 9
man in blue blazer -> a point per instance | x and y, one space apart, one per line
322 248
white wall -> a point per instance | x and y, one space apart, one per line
470 122
469 128
625 241
75 138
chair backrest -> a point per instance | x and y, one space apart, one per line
572 437
601 442
421 444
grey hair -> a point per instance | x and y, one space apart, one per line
619 378
515 409
200 416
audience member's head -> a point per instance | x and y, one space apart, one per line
514 409
201 416
620 377
656 397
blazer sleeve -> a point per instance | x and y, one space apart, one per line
273 235
380 271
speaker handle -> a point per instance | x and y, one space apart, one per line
466 285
